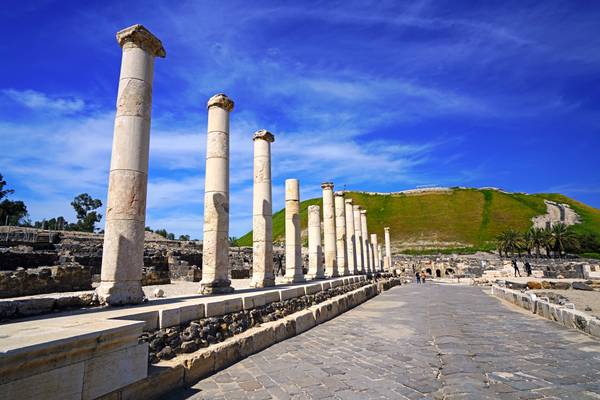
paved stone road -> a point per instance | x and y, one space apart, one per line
428 341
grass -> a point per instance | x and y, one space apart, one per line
471 218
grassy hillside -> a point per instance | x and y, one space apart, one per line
462 219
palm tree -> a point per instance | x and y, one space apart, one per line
509 241
562 237
536 238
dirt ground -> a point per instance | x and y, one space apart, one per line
580 298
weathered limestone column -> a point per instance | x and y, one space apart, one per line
262 212
123 251
360 260
215 245
387 261
380 255
315 250
375 254
340 234
350 239
366 245
329 230
293 249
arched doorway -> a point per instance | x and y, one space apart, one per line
449 271
428 270
438 273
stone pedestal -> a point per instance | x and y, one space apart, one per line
315 250
350 238
331 269
366 245
375 254
123 250
388 250
293 244
359 243
215 253
262 212
340 234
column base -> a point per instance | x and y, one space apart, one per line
294 279
120 293
314 276
216 287
263 283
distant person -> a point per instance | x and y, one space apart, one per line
424 274
516 267
418 277
527 268
279 266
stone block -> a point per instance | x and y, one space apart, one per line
263 338
191 312
284 329
160 380
312 289
245 344
115 370
58 383
216 308
271 297
169 317
304 320
199 366
337 283
325 286
594 327
226 353
290 293
254 300
149 317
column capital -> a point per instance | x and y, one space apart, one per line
264 135
327 185
339 194
143 38
348 201
387 228
220 100
363 211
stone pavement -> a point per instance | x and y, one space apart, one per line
427 341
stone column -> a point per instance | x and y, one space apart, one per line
293 249
366 244
215 245
315 249
329 230
360 262
340 233
387 261
380 255
375 254
123 251
262 212
350 250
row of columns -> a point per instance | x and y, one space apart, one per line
347 249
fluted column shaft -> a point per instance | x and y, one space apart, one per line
350 238
366 245
360 261
331 269
293 245
315 249
340 234
123 250
262 212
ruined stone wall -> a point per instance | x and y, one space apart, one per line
63 278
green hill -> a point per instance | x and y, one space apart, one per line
458 220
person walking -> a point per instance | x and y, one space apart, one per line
423 275
516 267
418 277
527 268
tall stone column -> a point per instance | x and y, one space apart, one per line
215 245
340 233
293 249
262 212
387 261
380 255
315 249
375 254
366 245
123 251
350 239
360 261
329 230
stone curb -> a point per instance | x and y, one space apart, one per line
187 369
568 317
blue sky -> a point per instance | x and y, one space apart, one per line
379 96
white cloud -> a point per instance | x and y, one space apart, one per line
41 102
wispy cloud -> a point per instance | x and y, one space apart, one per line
41 102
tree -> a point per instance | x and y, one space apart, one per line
171 236
536 238
85 206
509 241
562 238
11 212
184 237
